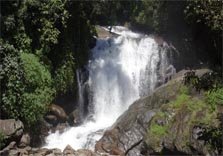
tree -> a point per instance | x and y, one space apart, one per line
207 12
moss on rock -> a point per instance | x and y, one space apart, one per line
182 124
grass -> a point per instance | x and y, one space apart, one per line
158 130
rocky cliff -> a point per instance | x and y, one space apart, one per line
175 119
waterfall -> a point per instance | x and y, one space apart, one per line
121 70
80 95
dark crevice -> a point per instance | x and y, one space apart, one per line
134 145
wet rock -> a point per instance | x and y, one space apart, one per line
68 150
128 131
85 152
103 33
23 151
74 118
25 140
57 152
61 127
38 135
51 119
159 40
197 132
12 129
127 135
41 152
13 152
6 150
28 148
58 112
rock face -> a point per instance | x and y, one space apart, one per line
12 129
130 135
186 125
126 135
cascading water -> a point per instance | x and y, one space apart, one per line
121 70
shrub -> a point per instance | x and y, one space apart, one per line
215 97
190 78
208 81
151 15
26 86
208 12
11 77
38 91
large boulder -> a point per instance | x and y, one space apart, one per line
128 134
25 140
38 135
58 112
6 150
74 118
11 129
68 150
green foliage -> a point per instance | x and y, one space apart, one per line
26 86
195 104
35 73
180 100
215 97
158 130
182 115
151 15
184 90
11 77
64 75
38 92
186 101
43 21
212 137
205 11
208 81
190 78
42 44
112 12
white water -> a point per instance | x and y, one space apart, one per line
121 70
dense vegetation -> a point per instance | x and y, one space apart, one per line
44 42
192 107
